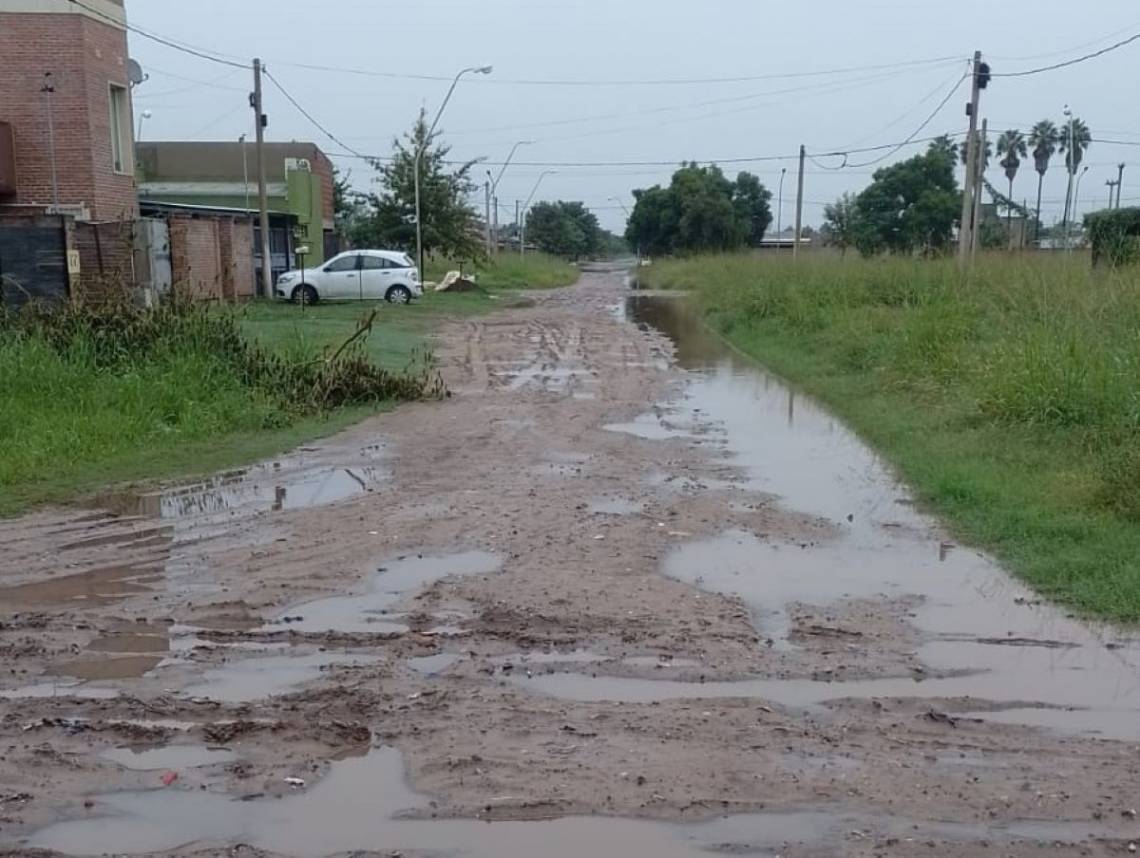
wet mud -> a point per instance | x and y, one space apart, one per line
625 594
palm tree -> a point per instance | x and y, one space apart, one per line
964 152
1012 145
1075 140
1044 138
946 147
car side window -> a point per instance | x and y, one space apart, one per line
374 263
347 263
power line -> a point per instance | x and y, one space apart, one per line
201 53
311 119
1073 62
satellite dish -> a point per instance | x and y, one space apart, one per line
135 73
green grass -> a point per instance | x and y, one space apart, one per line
1009 400
73 424
511 271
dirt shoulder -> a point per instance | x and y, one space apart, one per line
503 533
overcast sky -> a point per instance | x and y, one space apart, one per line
604 42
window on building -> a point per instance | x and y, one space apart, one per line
121 139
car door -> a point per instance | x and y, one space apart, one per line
341 277
376 276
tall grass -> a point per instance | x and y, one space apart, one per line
1009 397
85 387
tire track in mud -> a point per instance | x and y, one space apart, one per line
517 472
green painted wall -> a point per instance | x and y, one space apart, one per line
305 202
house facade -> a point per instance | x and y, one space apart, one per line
66 138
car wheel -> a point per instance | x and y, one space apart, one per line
305 295
399 295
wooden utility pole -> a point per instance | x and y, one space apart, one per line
979 177
965 231
266 290
799 206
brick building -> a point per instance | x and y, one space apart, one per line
69 62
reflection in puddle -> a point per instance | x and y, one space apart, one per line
357 808
432 665
93 587
250 679
126 667
174 757
788 446
370 612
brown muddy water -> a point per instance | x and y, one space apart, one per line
985 636
366 803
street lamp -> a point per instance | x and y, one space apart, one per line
146 114
1076 196
780 210
1069 166
420 155
495 189
522 228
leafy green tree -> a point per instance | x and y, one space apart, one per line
909 206
946 146
700 210
450 223
564 229
840 219
1043 139
1012 146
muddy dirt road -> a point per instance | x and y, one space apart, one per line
623 595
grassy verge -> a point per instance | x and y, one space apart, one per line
511 271
126 398
1010 401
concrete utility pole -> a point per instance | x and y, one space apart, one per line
260 122
495 186
799 205
979 177
487 203
1111 193
1119 183
780 209
965 230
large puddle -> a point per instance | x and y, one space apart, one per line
371 612
364 804
987 633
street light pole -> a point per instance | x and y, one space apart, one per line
146 114
1070 169
420 155
780 209
495 188
1076 198
526 207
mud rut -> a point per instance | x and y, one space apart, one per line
562 601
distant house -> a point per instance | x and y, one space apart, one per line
223 176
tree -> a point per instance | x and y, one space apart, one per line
450 223
700 210
1012 146
840 221
1075 140
945 145
911 205
986 154
564 229
1043 138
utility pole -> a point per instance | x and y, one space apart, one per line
979 176
1111 193
262 189
780 210
518 223
799 205
965 230
487 203
1119 183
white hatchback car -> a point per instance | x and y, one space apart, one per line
358 275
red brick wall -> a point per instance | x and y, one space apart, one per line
84 56
243 268
323 170
196 258
106 258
